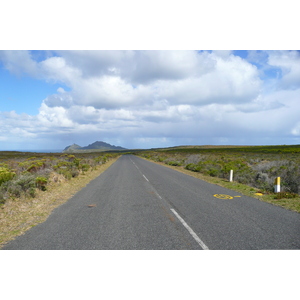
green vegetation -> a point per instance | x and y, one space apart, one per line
6 175
22 174
254 166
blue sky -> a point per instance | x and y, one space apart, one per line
23 93
144 99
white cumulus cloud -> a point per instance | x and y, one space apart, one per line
160 96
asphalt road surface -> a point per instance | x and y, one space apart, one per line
137 204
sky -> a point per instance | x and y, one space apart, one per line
157 84
148 98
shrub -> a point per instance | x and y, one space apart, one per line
194 167
24 184
76 162
71 157
291 180
32 192
66 173
213 172
101 159
193 159
25 181
160 158
74 173
174 163
6 175
32 165
2 195
263 181
41 183
84 167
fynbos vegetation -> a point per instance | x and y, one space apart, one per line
254 166
21 175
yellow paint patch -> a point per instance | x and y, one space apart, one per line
258 194
222 196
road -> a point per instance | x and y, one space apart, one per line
137 204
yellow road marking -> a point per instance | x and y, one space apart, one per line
222 196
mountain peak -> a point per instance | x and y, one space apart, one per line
98 145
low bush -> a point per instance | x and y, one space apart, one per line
213 172
194 167
25 181
66 173
6 175
21 175
174 163
41 183
84 167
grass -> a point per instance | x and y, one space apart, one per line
287 203
20 214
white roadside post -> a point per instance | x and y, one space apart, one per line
277 185
231 175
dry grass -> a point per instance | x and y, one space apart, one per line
19 215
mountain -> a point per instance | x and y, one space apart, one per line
99 145
72 148
103 146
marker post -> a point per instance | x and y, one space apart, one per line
277 185
231 175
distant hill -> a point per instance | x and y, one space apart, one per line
72 148
99 145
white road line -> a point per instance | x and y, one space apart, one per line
145 177
157 194
141 172
190 230
134 164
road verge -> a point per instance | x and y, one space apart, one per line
290 204
19 215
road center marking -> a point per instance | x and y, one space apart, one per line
145 177
190 230
134 164
157 194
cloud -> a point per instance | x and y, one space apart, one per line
146 67
131 97
57 70
95 63
107 92
64 100
289 64
19 62
110 79
230 81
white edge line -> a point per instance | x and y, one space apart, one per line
190 230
